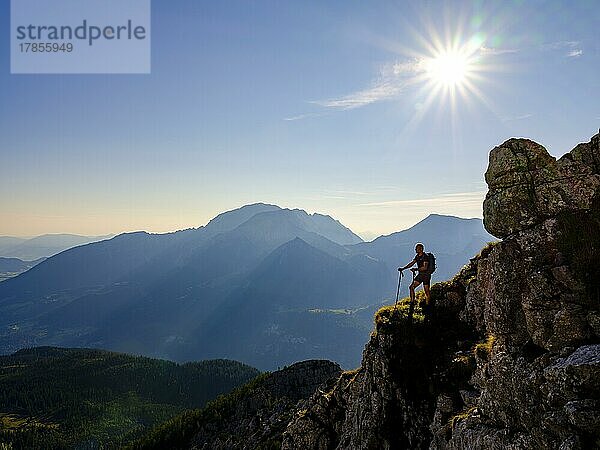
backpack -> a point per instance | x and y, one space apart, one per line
431 265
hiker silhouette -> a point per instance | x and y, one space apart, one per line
421 274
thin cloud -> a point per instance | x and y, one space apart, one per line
496 51
573 48
344 194
455 199
519 117
387 188
303 116
349 192
399 213
411 67
361 98
560 45
390 84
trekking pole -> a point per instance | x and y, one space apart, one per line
400 275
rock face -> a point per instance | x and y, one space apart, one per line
511 360
257 418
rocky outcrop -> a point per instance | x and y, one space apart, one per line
528 186
251 417
257 417
389 402
511 360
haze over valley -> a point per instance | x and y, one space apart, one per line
260 284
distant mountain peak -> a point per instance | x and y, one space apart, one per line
299 221
435 220
433 215
297 245
232 219
447 216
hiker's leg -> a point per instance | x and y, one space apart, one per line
411 308
415 284
427 295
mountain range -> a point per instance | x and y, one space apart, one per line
260 284
11 267
29 249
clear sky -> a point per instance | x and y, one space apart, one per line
377 113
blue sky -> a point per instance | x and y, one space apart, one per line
324 106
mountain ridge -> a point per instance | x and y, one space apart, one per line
43 246
158 294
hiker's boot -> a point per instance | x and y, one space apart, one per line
411 312
427 312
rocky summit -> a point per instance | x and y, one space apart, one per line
510 359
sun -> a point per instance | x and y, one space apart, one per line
449 68
451 73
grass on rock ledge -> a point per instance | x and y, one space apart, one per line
392 317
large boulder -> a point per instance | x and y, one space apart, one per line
528 186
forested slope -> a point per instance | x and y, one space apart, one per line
65 398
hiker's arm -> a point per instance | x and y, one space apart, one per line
408 265
424 268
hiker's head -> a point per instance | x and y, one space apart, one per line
419 248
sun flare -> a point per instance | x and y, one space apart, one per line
453 73
449 68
